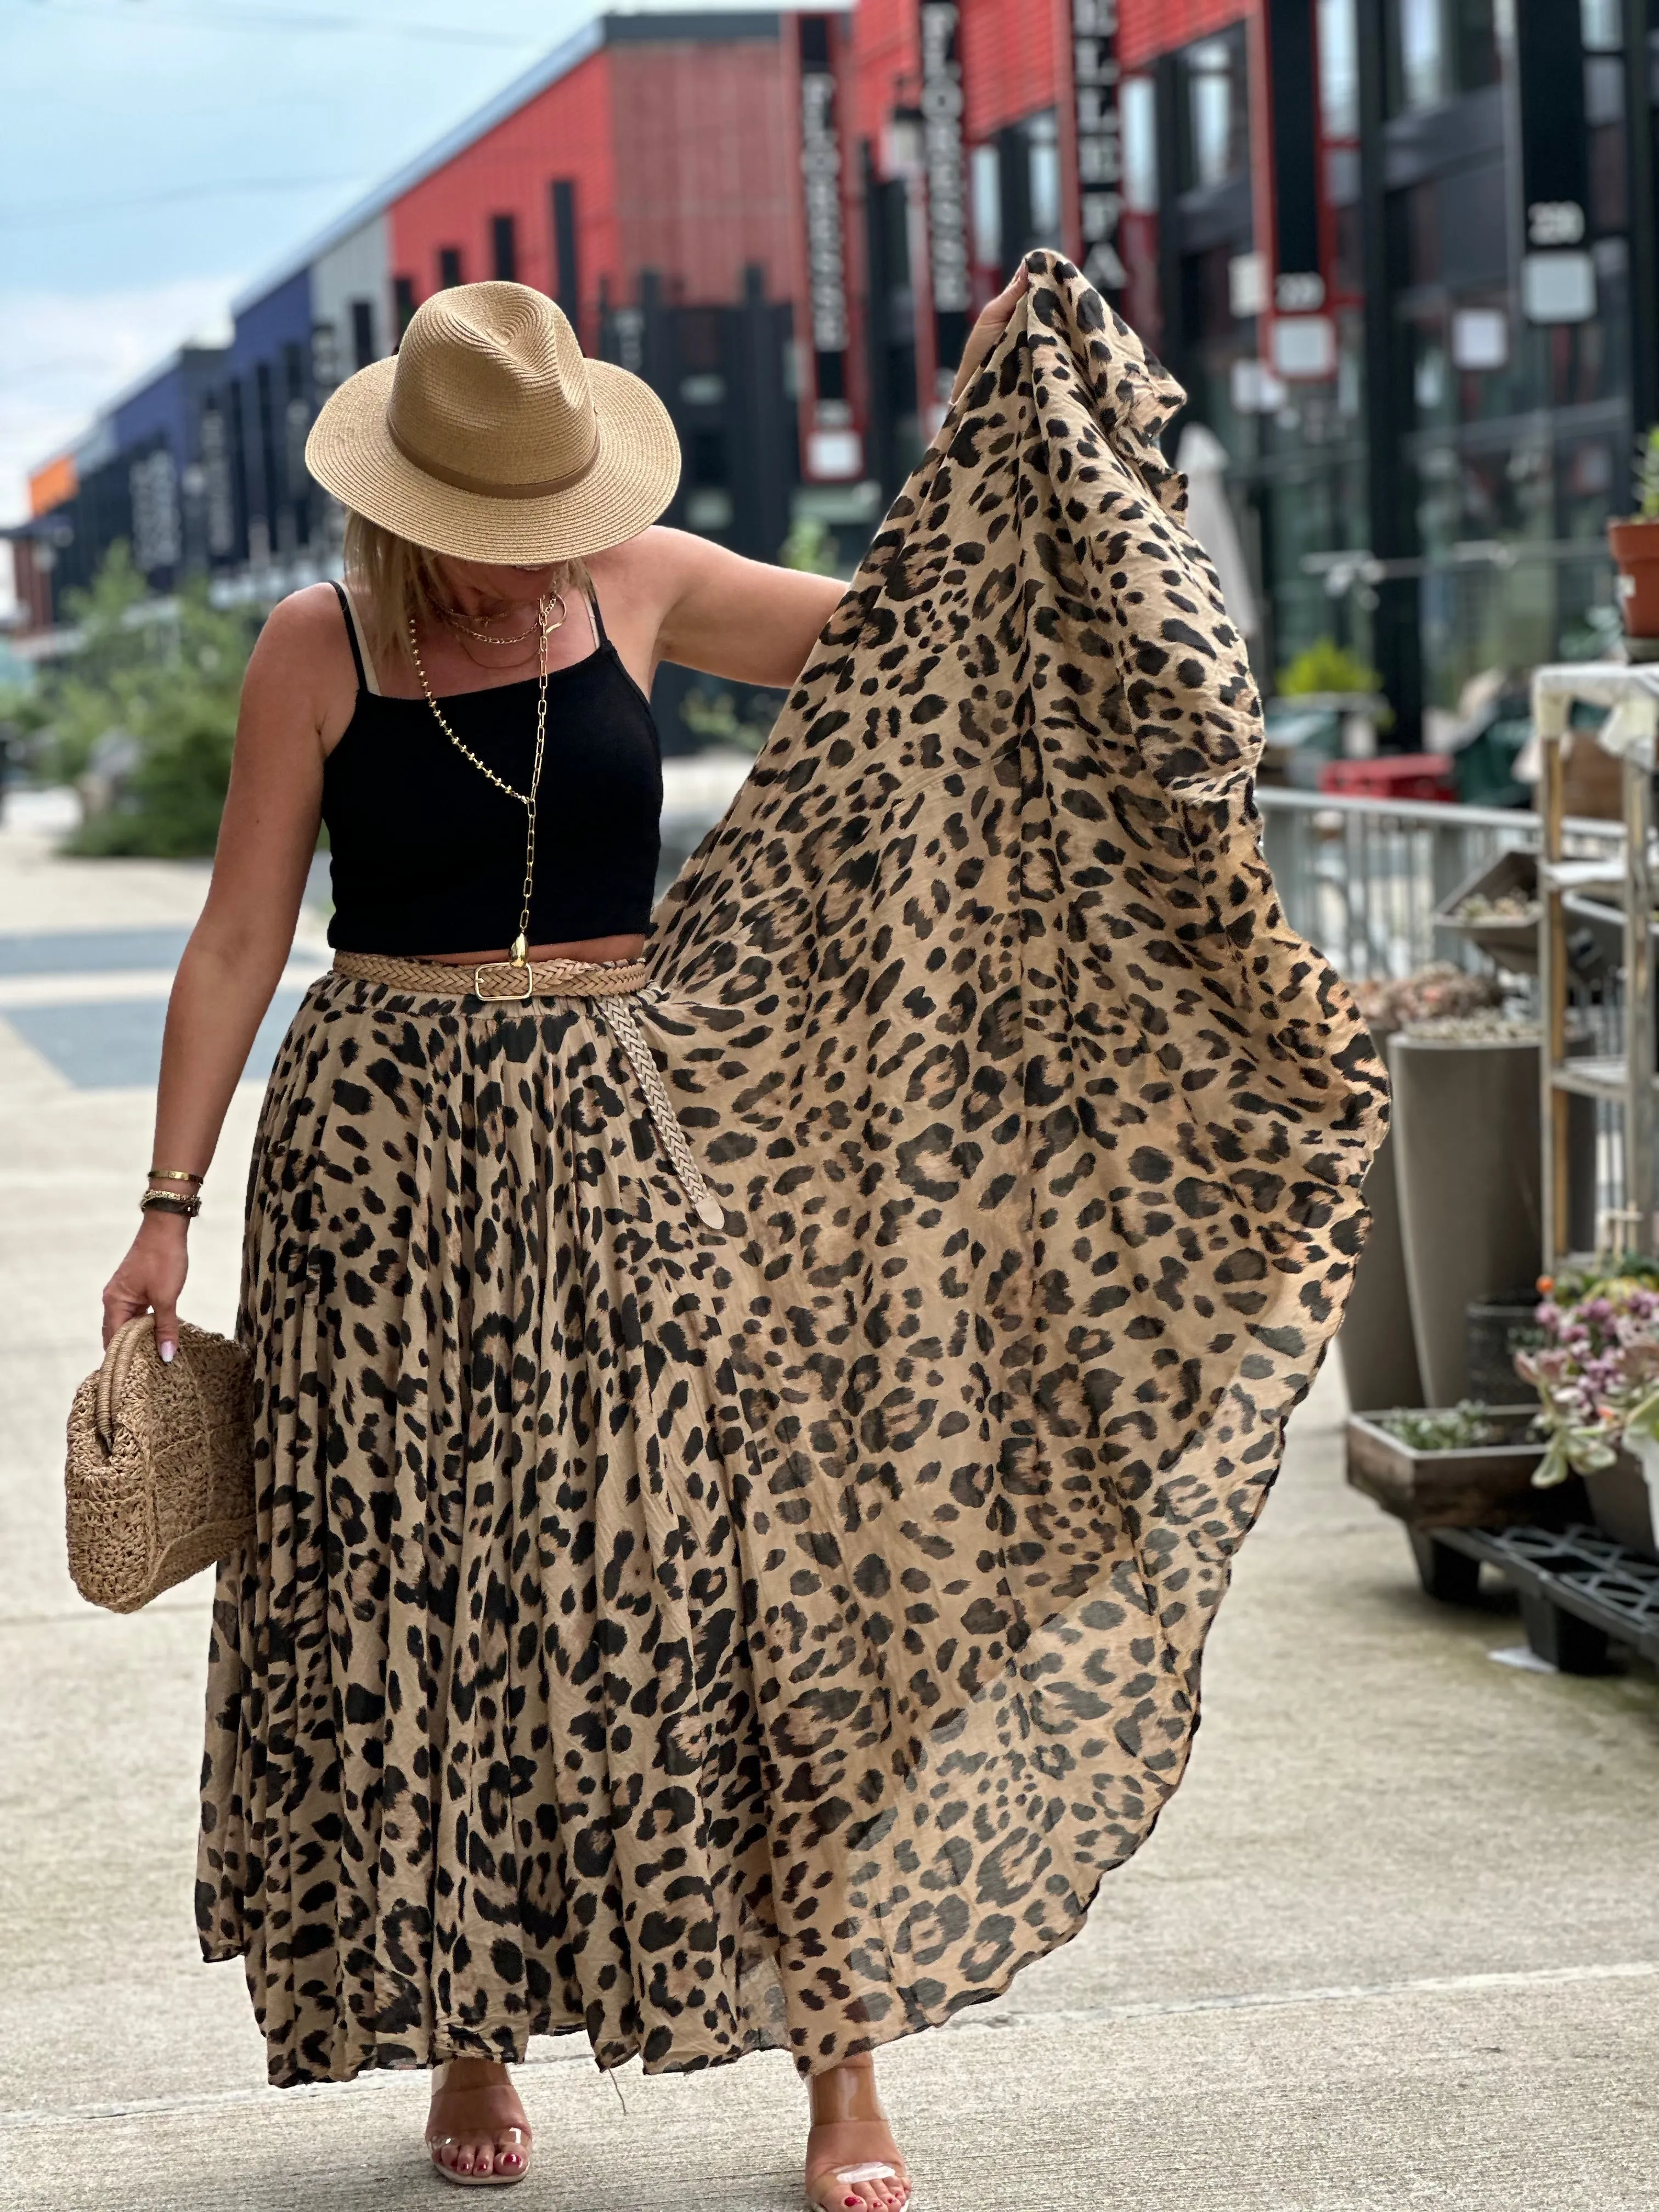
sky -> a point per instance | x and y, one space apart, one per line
156 155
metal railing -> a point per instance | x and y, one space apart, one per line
1361 878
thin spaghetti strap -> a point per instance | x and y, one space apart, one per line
596 617
351 634
366 678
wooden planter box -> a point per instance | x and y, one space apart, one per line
1484 1486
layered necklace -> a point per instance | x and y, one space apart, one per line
542 628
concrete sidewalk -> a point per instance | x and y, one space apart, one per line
1395 1943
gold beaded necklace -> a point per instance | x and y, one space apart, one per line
519 957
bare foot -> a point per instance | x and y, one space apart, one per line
852 2163
477 2126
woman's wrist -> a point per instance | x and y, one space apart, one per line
168 1230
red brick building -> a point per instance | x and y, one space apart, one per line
655 152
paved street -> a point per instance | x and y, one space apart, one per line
1395 1943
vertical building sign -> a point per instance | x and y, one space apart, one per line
948 270
833 450
1302 336
1098 139
1558 276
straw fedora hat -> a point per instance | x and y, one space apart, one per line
491 436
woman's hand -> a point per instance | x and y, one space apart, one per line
992 321
149 1280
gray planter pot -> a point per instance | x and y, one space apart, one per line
1467 1162
1375 1344
1621 1504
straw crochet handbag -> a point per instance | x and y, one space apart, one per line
159 1478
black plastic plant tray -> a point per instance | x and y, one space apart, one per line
1577 1590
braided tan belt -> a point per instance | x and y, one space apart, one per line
613 982
497 979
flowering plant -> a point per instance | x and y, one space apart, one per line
1438 991
1596 1371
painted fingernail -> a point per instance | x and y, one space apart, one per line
168 1350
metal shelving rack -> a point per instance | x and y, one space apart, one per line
1628 1079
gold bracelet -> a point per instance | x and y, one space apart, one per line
173 1174
168 1201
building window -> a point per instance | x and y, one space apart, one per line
1137 107
241 488
1439 50
700 354
503 250
362 333
403 303
708 495
1217 146
1042 167
296 427
706 457
449 266
1014 193
1339 69
985 182
567 278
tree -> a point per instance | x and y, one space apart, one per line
140 714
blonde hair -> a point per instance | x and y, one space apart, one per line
392 579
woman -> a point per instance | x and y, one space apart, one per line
749 1443
446 1225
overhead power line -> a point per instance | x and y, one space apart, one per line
271 19
212 187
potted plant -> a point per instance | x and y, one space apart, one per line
1634 544
1596 1374
1469 1466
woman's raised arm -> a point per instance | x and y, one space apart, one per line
747 620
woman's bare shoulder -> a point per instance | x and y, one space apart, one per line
652 567
302 658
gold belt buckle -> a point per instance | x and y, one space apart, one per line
512 969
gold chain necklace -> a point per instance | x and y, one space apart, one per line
485 636
519 957
451 620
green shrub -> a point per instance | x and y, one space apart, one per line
1327 666
167 677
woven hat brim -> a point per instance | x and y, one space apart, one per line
351 453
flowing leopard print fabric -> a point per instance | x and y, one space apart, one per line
719 1639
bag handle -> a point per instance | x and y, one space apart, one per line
113 1375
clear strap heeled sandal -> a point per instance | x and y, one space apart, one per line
510 2142
830 2190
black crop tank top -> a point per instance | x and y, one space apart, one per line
427 855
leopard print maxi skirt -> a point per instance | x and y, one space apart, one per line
773 1628
483 1754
